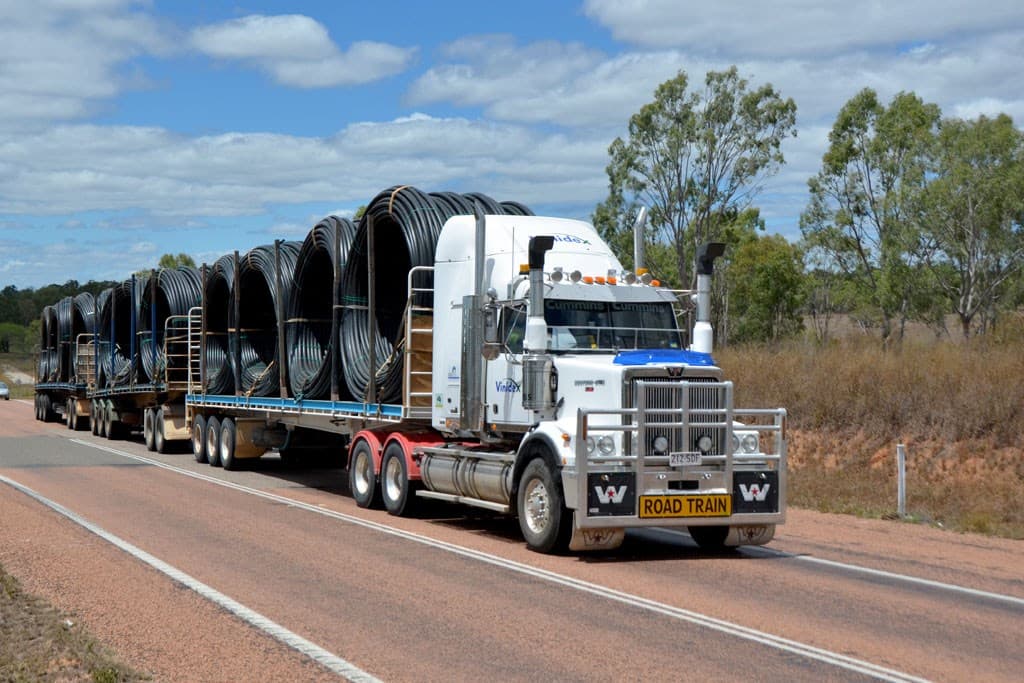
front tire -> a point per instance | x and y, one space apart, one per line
398 492
544 519
362 480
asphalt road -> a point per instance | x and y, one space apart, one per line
454 594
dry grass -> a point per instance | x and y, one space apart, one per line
38 643
959 408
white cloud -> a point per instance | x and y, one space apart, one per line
62 60
297 51
797 27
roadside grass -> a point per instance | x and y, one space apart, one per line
38 643
959 408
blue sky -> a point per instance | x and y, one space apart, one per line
133 129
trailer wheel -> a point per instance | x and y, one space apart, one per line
69 414
213 441
362 480
228 439
113 426
147 429
710 538
398 492
93 422
543 518
199 438
159 438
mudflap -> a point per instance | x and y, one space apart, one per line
750 534
607 538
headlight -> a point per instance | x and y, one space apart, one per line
590 445
606 445
750 444
704 443
735 443
660 444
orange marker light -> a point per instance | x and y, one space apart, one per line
587 279
599 280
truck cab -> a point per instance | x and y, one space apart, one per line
628 425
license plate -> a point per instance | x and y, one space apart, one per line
690 505
685 459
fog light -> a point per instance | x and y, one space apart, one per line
750 444
704 443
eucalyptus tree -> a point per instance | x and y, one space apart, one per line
860 214
971 217
697 158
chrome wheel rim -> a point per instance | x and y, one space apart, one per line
362 477
393 480
537 506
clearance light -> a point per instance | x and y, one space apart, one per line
524 268
612 280
575 276
655 283
557 275
641 271
599 280
588 280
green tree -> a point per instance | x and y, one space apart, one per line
970 220
696 159
859 215
176 260
768 285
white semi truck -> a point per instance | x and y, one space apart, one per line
542 381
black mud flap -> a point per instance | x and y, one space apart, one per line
611 493
755 492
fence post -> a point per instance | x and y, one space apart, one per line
901 480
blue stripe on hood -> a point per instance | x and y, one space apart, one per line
661 356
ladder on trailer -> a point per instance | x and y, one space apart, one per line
419 348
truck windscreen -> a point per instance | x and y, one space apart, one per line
576 326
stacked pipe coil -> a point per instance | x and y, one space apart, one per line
218 290
407 223
255 329
117 365
310 321
101 302
83 322
176 291
65 311
48 344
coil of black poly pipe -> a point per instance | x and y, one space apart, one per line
116 362
83 322
407 223
65 312
309 321
48 342
177 291
218 299
255 331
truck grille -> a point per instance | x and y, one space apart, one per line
682 410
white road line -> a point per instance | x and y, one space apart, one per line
696 618
904 578
326 659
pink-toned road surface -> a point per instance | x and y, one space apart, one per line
453 594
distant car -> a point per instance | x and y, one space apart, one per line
5 392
